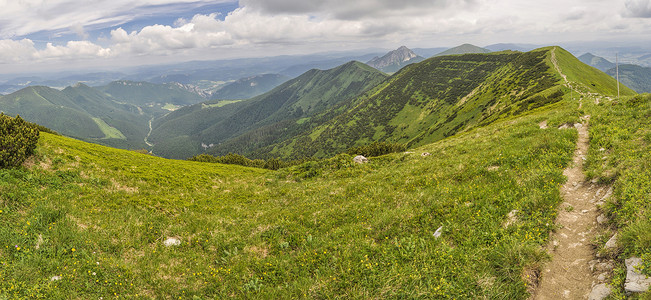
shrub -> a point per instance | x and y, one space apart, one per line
17 140
376 149
237 159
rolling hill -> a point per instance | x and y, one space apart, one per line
181 133
596 61
463 49
249 87
150 94
81 112
444 95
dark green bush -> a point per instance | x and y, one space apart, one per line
237 159
376 149
17 140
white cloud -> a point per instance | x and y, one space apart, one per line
287 26
16 51
73 50
638 8
79 30
52 15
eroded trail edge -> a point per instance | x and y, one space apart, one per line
574 271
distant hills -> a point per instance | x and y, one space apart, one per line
464 49
633 76
263 119
116 114
596 61
395 60
512 47
249 87
636 77
145 93
82 112
399 58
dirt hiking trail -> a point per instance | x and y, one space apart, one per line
571 274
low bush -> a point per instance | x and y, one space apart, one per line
237 159
377 149
18 140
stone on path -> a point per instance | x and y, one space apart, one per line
599 292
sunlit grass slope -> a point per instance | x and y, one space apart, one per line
97 218
620 153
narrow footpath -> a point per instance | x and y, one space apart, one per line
571 274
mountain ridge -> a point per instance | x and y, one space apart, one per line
313 92
443 95
596 61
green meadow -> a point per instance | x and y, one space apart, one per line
470 220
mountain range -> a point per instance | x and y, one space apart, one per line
319 113
636 77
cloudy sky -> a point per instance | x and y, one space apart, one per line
75 33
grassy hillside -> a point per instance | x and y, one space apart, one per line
445 95
586 78
311 93
97 218
620 154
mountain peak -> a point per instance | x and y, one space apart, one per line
395 60
596 61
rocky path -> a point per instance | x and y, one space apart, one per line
574 271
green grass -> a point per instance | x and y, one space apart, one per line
109 132
324 229
620 154
171 107
221 103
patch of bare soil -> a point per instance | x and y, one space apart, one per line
570 273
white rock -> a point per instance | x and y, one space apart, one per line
599 292
438 232
425 154
636 282
601 219
360 159
612 242
578 125
55 278
172 242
